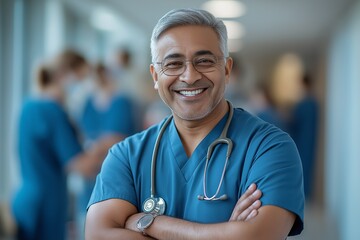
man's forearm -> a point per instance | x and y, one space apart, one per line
271 223
165 227
116 234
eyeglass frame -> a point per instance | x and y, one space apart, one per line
217 58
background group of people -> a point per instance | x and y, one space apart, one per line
65 131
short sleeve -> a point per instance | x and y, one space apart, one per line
277 170
115 178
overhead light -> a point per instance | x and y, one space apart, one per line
235 29
225 8
104 19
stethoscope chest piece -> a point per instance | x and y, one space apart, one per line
154 205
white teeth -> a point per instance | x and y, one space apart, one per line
191 93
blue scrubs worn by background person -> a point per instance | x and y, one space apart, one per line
257 157
304 129
47 142
115 118
48 148
107 118
106 110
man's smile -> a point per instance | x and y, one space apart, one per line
191 93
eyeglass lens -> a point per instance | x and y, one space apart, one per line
177 66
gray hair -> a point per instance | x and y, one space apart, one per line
185 17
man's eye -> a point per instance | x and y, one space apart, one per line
205 61
173 64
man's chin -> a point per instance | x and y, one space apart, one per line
191 116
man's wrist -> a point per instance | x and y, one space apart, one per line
145 221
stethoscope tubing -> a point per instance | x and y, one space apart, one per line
222 139
154 156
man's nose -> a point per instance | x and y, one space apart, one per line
190 74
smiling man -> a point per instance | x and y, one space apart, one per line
194 175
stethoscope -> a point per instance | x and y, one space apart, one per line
156 205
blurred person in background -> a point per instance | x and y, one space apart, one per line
284 89
48 149
303 128
108 117
77 92
108 113
126 79
293 108
121 69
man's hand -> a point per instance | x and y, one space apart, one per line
247 206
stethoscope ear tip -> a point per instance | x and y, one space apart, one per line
200 197
223 197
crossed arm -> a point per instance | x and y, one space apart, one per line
116 219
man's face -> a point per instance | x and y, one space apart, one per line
191 95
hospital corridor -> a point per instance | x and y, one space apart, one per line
75 81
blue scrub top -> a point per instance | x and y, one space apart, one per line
262 154
117 117
47 141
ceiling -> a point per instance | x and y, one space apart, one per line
271 26
268 23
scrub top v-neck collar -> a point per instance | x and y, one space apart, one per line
187 165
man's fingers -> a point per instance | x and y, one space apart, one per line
247 202
242 205
251 189
250 212
253 214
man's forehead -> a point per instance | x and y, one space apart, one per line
188 41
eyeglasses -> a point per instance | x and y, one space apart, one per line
176 66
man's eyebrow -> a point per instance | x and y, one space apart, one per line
174 55
203 52
198 53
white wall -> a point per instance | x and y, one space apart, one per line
343 126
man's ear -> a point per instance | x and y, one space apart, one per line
154 76
228 67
